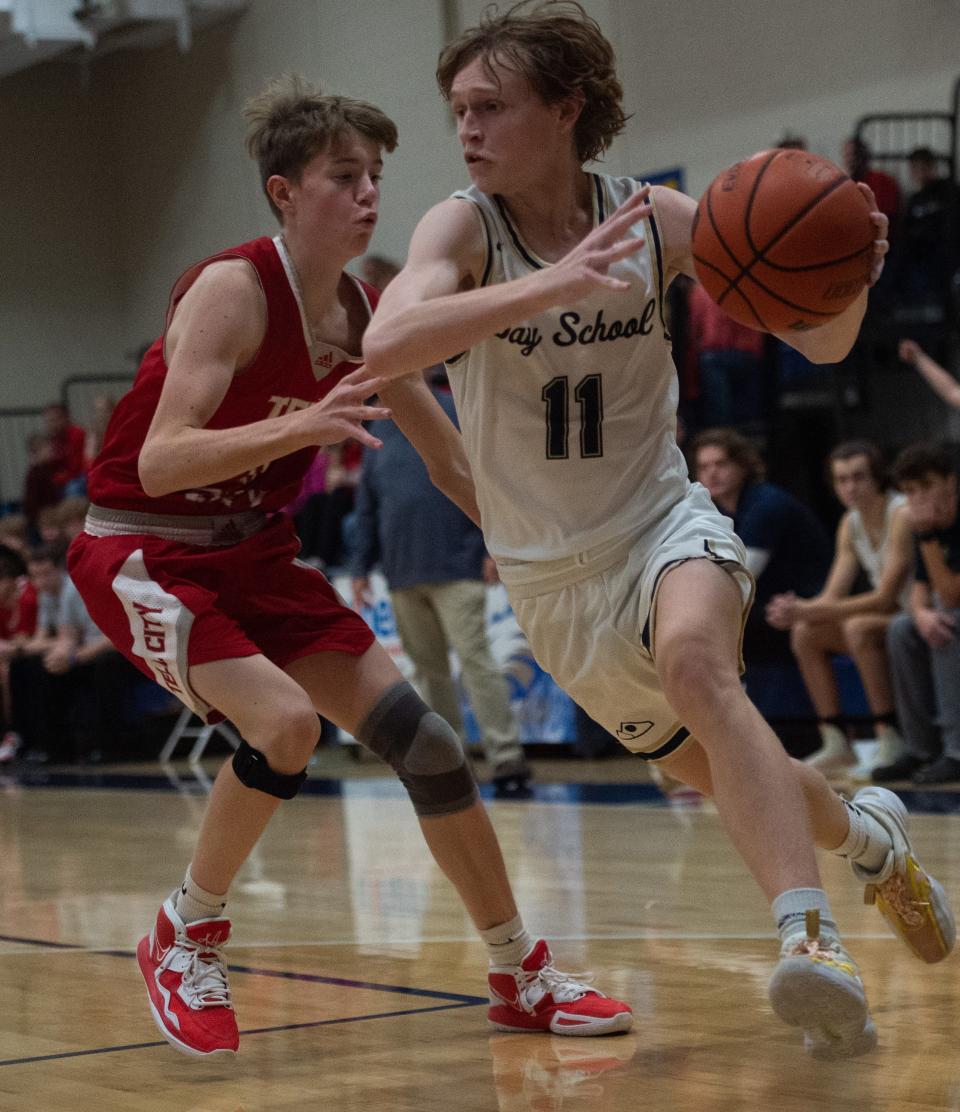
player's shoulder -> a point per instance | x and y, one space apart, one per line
452 229
233 277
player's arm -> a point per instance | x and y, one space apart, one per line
840 580
936 627
216 331
423 421
937 378
785 610
943 580
830 342
435 308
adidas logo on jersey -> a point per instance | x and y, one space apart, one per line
324 360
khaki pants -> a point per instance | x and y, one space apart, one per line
435 617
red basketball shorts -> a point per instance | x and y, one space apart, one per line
167 606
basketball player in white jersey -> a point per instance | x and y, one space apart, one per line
542 287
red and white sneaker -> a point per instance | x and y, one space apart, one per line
533 996
186 976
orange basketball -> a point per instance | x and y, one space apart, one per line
783 241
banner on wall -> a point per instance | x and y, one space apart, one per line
674 178
544 712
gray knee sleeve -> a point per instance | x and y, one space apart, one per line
422 749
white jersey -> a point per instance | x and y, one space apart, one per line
569 418
872 556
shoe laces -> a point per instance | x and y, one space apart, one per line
907 907
563 987
204 979
828 949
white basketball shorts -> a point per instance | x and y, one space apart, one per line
590 618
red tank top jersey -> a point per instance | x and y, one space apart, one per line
282 377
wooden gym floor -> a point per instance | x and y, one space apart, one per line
359 984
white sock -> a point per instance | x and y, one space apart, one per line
790 914
508 943
193 902
866 842
832 738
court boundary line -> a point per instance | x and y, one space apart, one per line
40 946
30 1060
460 998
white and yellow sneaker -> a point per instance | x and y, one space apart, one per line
817 986
907 896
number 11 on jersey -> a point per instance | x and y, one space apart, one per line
589 394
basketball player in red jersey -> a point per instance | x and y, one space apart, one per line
631 588
187 566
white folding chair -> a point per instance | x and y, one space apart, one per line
201 734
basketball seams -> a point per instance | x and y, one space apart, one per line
754 189
825 265
803 234
760 256
716 230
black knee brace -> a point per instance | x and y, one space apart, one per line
252 771
422 749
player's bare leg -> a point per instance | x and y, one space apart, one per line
697 632
526 992
275 716
182 959
344 689
816 985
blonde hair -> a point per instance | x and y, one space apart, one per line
561 52
291 121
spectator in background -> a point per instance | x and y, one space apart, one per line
943 384
68 444
856 161
923 643
787 547
41 487
69 683
13 532
435 564
71 515
45 567
378 270
926 256
18 620
727 360
873 539
103 406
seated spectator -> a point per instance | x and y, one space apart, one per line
13 532
18 619
71 516
923 642
378 271
68 683
938 378
68 444
41 488
728 360
434 561
787 547
103 407
47 527
856 161
873 539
